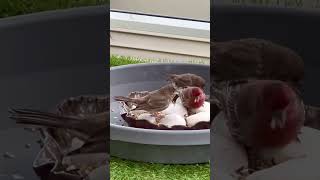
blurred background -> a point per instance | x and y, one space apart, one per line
276 3
160 31
20 7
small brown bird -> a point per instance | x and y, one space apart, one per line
153 102
187 79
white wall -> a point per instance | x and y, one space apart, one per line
192 9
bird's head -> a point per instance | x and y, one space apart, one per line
199 82
197 97
280 114
276 98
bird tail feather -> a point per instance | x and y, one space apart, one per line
122 98
34 117
171 77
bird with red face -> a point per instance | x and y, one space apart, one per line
257 83
192 97
264 116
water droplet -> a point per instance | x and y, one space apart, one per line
9 155
40 142
28 146
71 168
30 129
17 176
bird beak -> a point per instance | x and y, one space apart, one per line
197 99
278 119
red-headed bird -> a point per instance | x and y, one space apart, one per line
257 84
192 97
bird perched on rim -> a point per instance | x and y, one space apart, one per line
154 101
187 79
239 62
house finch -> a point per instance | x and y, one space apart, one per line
239 62
185 80
264 115
153 102
192 97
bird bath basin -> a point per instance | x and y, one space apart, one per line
151 145
39 67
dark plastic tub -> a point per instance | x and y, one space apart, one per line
46 57
151 145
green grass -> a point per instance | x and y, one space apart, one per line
19 7
130 170
123 60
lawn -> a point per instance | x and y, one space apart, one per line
131 170
19 7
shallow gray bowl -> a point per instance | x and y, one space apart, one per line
46 57
151 145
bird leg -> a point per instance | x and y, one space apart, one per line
255 163
242 173
158 114
298 140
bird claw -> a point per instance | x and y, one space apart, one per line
243 172
158 114
262 164
298 140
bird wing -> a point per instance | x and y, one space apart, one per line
154 103
186 80
171 77
257 59
83 124
227 96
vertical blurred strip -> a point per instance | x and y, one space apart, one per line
47 57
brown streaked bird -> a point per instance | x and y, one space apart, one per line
187 79
154 101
